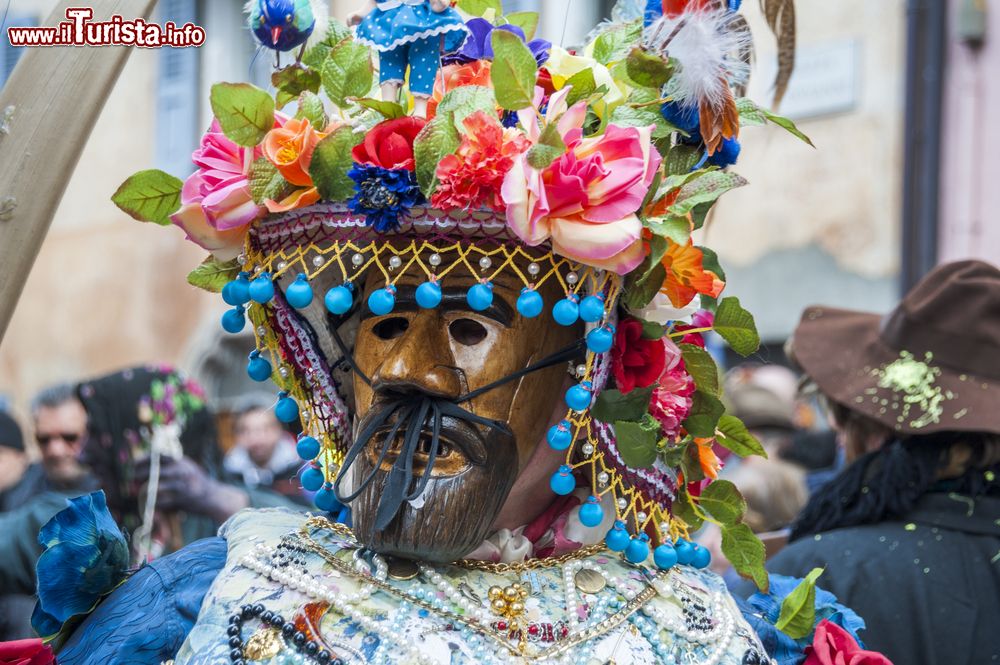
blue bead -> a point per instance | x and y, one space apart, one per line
312 478
563 482
262 289
307 447
566 312
233 320
230 295
591 513
578 396
617 539
339 300
702 557
287 409
326 499
258 368
685 551
559 436
429 295
600 339
529 303
382 301
665 557
592 309
299 294
480 296
638 549
239 289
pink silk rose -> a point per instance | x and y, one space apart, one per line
216 204
26 652
671 401
832 645
586 200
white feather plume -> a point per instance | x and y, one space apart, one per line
706 45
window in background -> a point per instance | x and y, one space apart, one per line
177 94
8 54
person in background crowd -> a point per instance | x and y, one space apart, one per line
13 460
264 455
60 424
909 532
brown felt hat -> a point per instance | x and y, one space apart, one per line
931 365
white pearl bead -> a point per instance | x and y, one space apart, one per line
435 259
534 268
395 262
572 278
358 259
485 263
318 261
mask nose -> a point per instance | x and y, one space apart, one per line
421 360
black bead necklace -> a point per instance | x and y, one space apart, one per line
297 639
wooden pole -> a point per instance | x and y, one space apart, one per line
47 110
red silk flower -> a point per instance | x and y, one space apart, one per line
389 144
26 652
832 645
635 362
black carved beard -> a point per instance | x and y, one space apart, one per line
458 510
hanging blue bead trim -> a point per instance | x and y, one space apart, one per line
591 513
529 303
599 340
578 396
480 296
234 320
326 499
563 482
339 299
312 477
592 308
559 435
307 447
262 288
258 368
287 409
638 549
665 557
382 301
237 292
429 295
567 311
299 294
617 539
701 557
685 551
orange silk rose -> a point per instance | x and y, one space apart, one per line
290 149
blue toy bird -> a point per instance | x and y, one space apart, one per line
282 25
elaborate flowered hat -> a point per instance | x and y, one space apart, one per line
589 169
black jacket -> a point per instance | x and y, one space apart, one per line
928 585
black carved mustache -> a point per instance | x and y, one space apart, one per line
416 414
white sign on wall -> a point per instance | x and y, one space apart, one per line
825 80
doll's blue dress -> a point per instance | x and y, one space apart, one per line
408 32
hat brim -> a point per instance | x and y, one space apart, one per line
904 389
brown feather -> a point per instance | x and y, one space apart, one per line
786 52
719 123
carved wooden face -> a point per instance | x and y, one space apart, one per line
447 352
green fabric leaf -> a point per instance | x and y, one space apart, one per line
788 126
691 463
723 502
549 148
480 7
292 81
680 159
347 72
636 442
514 71
652 330
615 43
462 102
642 288
330 163
627 116
684 510
648 69
311 108
746 553
437 139
613 405
710 261
752 115
732 434
316 55
706 188
265 181
212 274
583 84
676 229
389 110
244 111
527 21
706 409
702 368
798 610
736 325
149 196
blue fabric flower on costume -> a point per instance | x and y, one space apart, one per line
761 610
84 557
384 195
479 45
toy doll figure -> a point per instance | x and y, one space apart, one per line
414 33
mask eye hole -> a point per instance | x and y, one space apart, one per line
391 328
467 332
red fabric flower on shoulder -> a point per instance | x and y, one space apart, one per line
26 652
832 645
389 144
635 362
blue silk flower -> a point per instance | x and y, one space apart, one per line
85 556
